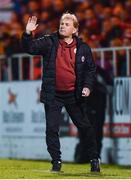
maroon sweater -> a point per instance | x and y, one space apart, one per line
65 66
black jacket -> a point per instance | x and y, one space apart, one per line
47 46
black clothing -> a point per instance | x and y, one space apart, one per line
47 47
97 103
76 111
96 109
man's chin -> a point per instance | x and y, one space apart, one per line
62 35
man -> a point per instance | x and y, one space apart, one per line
96 112
68 77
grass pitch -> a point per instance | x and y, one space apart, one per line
24 169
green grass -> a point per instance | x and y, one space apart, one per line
24 169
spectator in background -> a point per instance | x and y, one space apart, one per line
127 37
3 33
4 36
117 29
98 9
15 17
105 35
91 22
3 61
84 34
106 14
128 7
120 57
58 6
46 5
33 7
12 46
69 5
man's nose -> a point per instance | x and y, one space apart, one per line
62 26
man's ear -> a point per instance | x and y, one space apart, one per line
74 31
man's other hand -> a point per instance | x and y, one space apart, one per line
85 92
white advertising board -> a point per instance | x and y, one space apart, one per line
121 126
22 124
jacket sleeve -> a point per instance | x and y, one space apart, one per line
90 70
35 46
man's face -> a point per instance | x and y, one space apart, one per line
66 28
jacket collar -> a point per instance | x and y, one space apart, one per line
55 37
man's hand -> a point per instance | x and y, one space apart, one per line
31 25
85 92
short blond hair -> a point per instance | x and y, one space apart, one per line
71 16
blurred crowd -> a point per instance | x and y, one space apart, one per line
102 23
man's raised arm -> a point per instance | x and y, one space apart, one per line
33 46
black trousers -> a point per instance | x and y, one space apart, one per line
97 119
77 112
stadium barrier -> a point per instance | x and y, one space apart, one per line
15 67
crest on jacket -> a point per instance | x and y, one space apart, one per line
83 58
